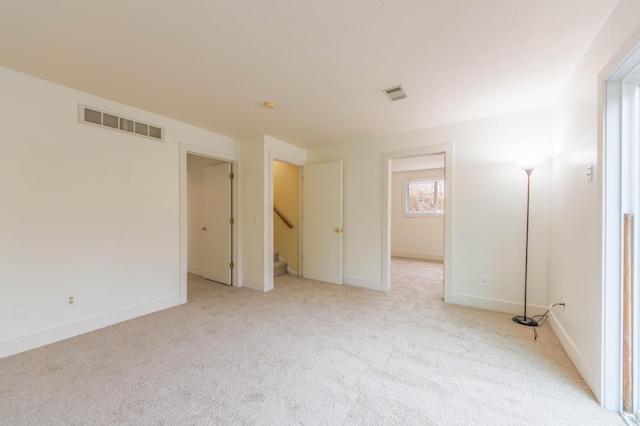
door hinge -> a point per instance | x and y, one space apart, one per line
231 221
231 265
231 176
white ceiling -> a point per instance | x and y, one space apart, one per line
324 63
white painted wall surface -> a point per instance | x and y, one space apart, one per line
489 207
255 192
576 238
85 209
418 237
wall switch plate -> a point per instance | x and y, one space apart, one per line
20 311
484 280
70 299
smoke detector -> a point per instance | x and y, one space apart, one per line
395 93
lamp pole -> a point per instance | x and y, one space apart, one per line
524 319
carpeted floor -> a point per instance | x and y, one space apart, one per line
305 353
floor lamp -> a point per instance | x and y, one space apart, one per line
528 164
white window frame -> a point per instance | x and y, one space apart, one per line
405 198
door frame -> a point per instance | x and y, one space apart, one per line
447 150
236 194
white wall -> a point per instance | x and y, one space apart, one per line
85 209
255 191
195 210
488 202
576 242
418 237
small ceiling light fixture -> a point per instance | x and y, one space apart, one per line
269 105
395 93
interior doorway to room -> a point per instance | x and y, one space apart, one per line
418 203
286 218
445 152
209 219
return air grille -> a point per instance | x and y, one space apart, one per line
96 117
395 93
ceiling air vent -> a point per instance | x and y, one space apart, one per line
95 117
395 93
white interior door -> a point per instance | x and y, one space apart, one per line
217 224
322 222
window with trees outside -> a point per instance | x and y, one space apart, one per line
425 197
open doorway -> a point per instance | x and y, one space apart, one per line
417 220
286 218
446 151
206 157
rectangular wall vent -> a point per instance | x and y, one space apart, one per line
95 117
395 93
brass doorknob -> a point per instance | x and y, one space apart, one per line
338 230
204 228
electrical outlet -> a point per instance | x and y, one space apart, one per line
484 280
564 307
70 300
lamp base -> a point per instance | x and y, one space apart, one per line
528 321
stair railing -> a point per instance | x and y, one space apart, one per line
284 219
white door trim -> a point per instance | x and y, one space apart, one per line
447 150
236 193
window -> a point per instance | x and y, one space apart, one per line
424 197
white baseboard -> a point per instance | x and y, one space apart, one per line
41 338
495 305
423 256
586 370
362 282
292 272
195 270
253 285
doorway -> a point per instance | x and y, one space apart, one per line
417 215
434 152
286 218
191 238
209 218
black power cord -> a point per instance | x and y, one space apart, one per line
541 319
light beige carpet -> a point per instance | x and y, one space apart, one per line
305 353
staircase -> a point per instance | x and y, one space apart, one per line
279 268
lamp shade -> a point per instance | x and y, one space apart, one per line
529 162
